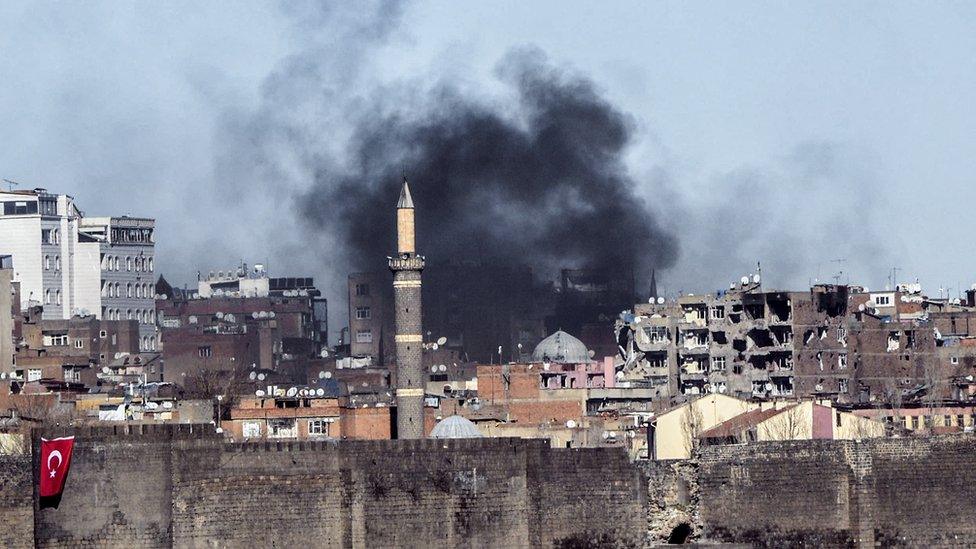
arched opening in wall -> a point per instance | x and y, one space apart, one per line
680 533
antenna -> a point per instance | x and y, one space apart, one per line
840 269
11 184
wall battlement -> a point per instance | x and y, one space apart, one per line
150 486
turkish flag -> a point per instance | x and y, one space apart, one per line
55 460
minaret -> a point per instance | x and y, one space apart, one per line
406 267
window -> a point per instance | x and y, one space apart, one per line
47 263
56 340
150 264
364 336
205 351
47 236
102 334
319 427
47 297
954 360
128 314
362 289
79 343
128 290
363 313
882 300
282 428
72 375
116 264
842 386
718 312
915 423
656 334
842 361
718 363
34 374
57 263
58 295
960 420
252 429
128 263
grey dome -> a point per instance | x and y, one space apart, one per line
563 348
455 427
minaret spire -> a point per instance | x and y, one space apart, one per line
405 226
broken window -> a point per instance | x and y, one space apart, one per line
842 361
718 363
822 332
893 341
718 312
807 337
719 338
842 385
780 309
910 339
759 338
820 360
656 334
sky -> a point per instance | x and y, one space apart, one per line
814 138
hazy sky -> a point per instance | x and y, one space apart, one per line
794 134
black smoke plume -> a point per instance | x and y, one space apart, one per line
539 182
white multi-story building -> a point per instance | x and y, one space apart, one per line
77 265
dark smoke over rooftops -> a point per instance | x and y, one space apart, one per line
540 181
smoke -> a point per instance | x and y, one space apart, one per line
816 214
538 178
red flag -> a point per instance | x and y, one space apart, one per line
55 460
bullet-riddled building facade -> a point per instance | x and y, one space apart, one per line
832 341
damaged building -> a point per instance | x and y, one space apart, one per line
838 342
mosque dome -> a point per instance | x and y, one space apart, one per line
455 427
563 348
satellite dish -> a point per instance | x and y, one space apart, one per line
219 314
292 392
571 424
861 307
255 315
321 375
259 393
252 375
591 353
328 375
167 405
722 389
441 340
271 314
442 368
744 280
105 370
434 346
606 435
755 279
433 368
320 391
261 376
660 301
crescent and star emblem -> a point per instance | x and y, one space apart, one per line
54 469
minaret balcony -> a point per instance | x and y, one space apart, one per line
407 263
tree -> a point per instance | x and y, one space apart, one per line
691 427
787 425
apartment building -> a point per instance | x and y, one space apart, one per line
74 265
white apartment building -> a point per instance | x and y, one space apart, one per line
77 265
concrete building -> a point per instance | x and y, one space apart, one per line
76 265
371 327
7 311
406 267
